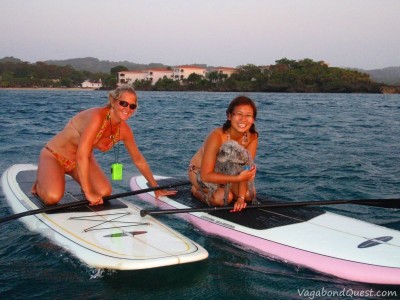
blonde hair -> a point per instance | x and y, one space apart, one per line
116 94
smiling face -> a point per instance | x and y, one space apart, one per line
124 106
241 118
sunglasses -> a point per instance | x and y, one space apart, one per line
241 115
123 103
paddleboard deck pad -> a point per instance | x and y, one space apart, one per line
308 237
110 236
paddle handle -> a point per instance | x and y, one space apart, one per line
152 189
85 202
385 203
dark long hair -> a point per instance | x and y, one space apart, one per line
240 100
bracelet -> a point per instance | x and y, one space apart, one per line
240 197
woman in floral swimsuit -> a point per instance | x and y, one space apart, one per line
71 150
208 183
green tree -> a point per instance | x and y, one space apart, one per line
110 82
167 84
194 78
142 85
116 69
216 76
246 73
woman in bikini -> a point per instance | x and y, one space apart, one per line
208 184
71 150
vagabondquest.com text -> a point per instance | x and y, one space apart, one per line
313 294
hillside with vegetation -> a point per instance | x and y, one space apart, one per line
390 75
95 65
303 76
20 74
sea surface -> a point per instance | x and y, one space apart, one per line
312 147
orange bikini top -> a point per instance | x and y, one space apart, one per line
114 137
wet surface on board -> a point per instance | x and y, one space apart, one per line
73 193
260 218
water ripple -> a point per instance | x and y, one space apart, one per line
311 147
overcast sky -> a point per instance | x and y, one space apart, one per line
344 33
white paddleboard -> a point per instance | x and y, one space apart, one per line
310 237
111 236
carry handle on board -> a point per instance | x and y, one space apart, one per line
86 202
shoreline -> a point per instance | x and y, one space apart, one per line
384 90
48 89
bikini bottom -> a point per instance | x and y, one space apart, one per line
67 164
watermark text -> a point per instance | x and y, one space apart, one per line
345 292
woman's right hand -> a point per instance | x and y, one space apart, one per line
247 175
93 198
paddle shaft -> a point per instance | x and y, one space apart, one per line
386 203
85 202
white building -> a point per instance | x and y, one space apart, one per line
177 73
87 84
153 75
158 73
183 72
129 77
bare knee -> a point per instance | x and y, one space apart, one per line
250 194
104 190
48 196
217 202
107 191
218 198
51 197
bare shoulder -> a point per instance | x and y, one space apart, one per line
89 118
91 115
253 136
216 134
215 139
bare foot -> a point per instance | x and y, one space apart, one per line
33 190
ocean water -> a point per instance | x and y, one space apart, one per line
312 147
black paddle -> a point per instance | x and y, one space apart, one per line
386 203
85 202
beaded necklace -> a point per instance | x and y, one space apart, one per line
112 137
245 139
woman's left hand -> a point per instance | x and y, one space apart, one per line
247 175
239 205
161 193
